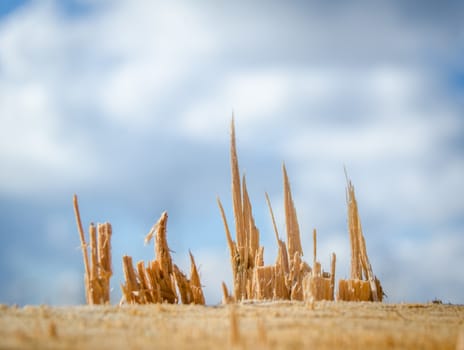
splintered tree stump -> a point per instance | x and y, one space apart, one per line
297 305
289 278
161 281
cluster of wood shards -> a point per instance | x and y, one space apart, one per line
363 284
290 278
98 269
156 282
159 282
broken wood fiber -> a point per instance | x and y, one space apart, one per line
160 281
363 284
252 279
97 269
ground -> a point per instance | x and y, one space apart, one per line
291 325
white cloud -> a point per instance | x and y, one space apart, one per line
254 96
33 139
153 48
33 142
118 64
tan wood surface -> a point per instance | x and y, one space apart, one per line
277 325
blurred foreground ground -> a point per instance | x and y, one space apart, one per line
323 325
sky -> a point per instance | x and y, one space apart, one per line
129 103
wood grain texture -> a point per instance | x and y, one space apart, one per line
276 325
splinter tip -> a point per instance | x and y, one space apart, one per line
192 259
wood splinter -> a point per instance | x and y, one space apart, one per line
363 285
98 270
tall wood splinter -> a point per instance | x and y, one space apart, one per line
98 270
363 285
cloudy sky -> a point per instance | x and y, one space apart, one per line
128 104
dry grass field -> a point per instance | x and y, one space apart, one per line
276 325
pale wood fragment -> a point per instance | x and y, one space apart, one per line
282 257
183 285
104 259
264 282
237 196
281 291
162 253
94 289
145 296
131 288
354 290
226 297
296 278
361 269
153 282
291 221
195 284
259 260
332 276
251 230
83 247
98 267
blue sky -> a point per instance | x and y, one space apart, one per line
128 104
